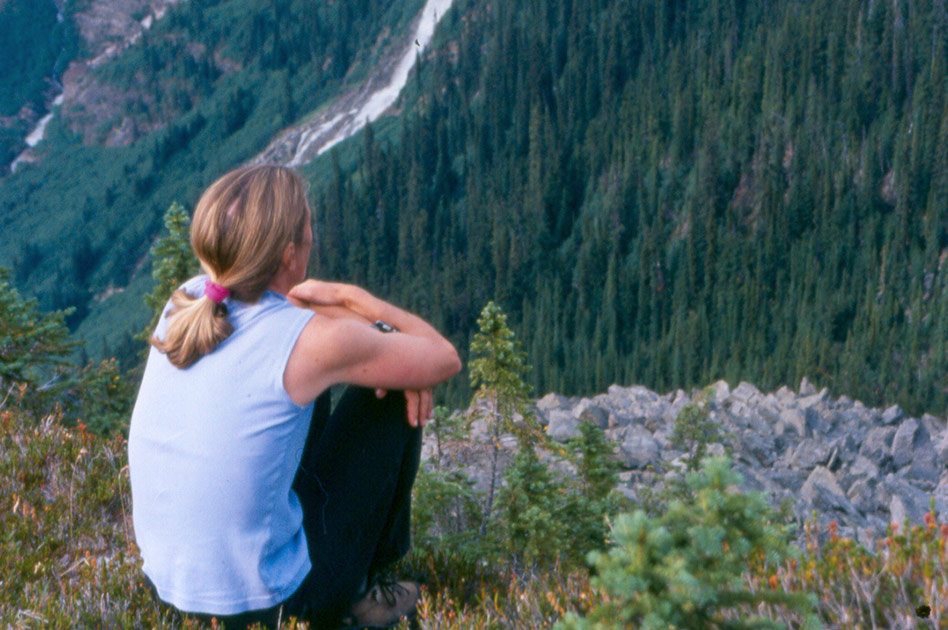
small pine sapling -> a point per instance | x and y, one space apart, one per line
173 263
694 430
593 495
34 349
684 569
531 509
498 375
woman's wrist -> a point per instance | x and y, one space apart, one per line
357 299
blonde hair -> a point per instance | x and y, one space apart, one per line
241 227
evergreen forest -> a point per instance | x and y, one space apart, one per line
663 192
669 193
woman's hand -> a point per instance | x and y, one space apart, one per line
319 293
419 405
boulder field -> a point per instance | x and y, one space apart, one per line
858 466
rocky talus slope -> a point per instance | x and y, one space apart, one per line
858 466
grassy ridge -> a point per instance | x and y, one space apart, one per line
68 557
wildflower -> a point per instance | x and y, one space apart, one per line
833 527
944 529
773 582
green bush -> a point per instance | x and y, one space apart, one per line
34 349
539 518
37 369
103 398
446 512
684 569
531 510
694 430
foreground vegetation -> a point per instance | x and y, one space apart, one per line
68 559
702 556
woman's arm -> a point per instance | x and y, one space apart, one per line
340 349
333 295
419 403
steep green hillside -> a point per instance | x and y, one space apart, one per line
202 91
30 47
673 192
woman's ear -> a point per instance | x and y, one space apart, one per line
289 256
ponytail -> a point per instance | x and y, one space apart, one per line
196 327
241 227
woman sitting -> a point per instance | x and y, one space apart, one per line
251 501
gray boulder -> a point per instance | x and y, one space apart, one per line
639 450
548 404
941 450
720 392
904 499
678 402
863 496
908 438
924 470
823 493
789 479
562 425
806 387
795 418
914 455
892 415
934 426
746 393
862 469
877 444
848 446
587 410
813 400
809 454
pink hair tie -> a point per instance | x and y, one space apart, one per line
215 292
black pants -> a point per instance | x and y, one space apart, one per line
354 482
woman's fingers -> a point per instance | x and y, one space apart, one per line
427 406
420 406
413 400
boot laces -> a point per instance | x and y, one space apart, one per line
389 588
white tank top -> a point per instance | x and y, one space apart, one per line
212 452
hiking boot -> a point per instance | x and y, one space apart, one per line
384 604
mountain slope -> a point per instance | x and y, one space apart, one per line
200 92
664 193
671 193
